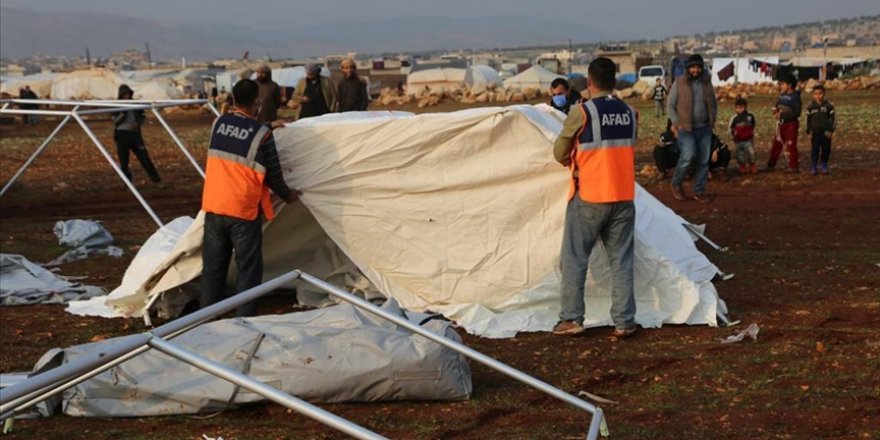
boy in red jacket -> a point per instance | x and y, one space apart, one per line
742 128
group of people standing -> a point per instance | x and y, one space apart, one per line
690 143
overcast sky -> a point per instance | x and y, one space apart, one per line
619 18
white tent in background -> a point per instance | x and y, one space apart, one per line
40 83
104 84
289 76
481 78
535 77
744 70
459 213
436 79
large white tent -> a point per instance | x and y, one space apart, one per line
436 79
535 77
481 78
104 84
458 213
40 83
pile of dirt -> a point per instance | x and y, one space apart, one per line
389 97
731 92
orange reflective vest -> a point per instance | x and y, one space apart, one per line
603 159
234 176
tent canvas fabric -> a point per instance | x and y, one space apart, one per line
436 79
330 355
481 78
535 77
462 213
104 84
40 83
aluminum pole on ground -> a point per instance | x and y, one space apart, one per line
13 397
273 394
595 422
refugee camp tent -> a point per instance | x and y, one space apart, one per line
436 79
458 213
535 77
104 84
480 78
40 83
289 76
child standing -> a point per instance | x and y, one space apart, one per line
820 128
742 127
659 96
787 112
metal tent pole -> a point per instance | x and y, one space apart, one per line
213 109
36 153
125 180
178 142
14 396
540 385
262 389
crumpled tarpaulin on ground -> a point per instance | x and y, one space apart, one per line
24 282
87 237
330 355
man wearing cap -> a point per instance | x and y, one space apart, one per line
270 95
693 110
315 94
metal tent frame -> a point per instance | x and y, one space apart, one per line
101 107
46 384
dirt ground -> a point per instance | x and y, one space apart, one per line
805 251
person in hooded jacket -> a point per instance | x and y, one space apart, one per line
128 137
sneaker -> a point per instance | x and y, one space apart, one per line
753 169
824 168
702 198
742 168
624 332
678 193
813 171
570 328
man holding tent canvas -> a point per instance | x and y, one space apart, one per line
242 166
597 142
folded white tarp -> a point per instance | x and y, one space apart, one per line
335 354
461 213
24 282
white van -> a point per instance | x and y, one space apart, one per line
649 74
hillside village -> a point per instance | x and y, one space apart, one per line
846 47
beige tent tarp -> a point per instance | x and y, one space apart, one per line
462 213
535 77
104 84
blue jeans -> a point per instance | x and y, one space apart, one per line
222 235
694 146
586 222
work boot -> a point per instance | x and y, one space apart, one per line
678 193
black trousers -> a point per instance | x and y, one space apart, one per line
821 151
224 234
132 141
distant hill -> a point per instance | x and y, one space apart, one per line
24 33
